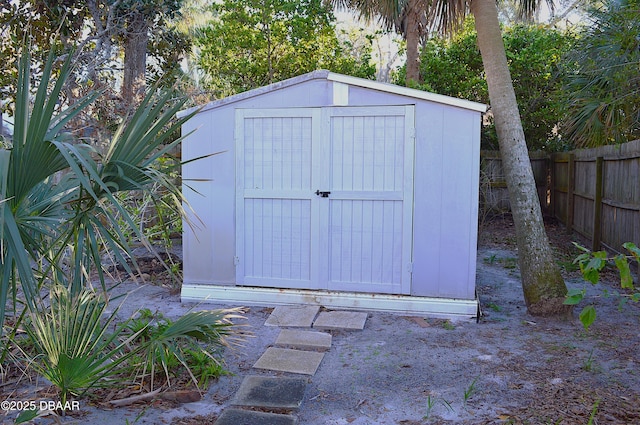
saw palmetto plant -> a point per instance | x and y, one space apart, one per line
61 207
74 347
59 196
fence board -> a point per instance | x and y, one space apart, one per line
559 186
583 216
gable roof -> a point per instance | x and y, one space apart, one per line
345 79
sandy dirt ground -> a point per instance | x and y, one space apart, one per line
509 368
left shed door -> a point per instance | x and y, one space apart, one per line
277 241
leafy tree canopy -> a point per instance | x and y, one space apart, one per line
251 43
453 67
95 31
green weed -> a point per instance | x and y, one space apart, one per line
495 307
470 391
431 402
448 325
589 364
490 260
594 412
509 263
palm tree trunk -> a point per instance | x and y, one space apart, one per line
412 37
543 286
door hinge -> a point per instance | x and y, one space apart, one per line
410 267
236 260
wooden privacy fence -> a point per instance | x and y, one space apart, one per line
594 192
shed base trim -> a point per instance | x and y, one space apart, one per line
457 309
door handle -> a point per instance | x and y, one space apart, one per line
322 194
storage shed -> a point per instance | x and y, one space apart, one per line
334 190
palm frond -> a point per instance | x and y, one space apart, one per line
388 12
78 349
526 9
33 157
446 16
604 90
167 340
12 258
61 225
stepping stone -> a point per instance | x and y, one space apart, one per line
251 417
340 320
269 392
287 360
300 316
304 339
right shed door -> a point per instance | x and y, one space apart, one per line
369 152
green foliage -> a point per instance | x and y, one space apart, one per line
431 404
95 32
168 347
470 391
253 43
588 364
495 307
77 345
155 209
204 366
591 265
58 196
594 412
604 90
588 316
167 46
453 67
26 416
74 348
38 22
448 325
61 206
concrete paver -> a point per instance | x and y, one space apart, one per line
288 360
271 392
300 316
251 417
351 320
304 339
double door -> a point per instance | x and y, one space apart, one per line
324 198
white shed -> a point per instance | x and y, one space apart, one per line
337 191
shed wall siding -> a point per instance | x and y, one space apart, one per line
445 203
206 187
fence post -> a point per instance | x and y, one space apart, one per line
571 186
597 205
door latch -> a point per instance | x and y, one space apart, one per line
322 194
